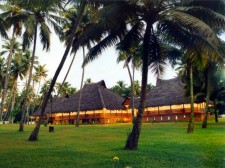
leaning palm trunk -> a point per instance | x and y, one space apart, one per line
204 123
191 120
80 95
34 134
132 90
133 137
66 74
8 68
28 83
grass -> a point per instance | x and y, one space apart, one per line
94 146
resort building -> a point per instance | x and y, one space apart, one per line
98 105
167 102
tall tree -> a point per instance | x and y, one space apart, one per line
130 55
20 67
36 15
41 73
9 10
10 47
178 25
70 38
80 93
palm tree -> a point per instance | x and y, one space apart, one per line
9 11
178 25
40 73
80 94
64 88
2 72
70 38
128 55
88 81
35 15
10 47
20 67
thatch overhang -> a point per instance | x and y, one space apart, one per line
166 93
52 106
95 96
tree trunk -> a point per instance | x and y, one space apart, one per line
216 112
28 83
14 90
191 120
132 99
204 123
8 68
133 137
66 74
34 134
80 95
39 84
132 90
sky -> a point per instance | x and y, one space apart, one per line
104 67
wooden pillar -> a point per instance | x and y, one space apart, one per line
104 115
62 117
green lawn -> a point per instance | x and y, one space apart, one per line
94 146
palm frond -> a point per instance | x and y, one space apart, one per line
111 39
211 18
177 34
45 35
27 39
132 38
193 24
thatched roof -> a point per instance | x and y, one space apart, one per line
51 106
166 92
95 96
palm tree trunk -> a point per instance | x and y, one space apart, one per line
216 112
131 91
34 134
39 84
66 74
80 95
28 83
204 123
8 68
13 92
133 137
191 120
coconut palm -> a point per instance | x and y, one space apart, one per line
37 14
128 55
80 93
2 72
88 81
20 67
40 73
10 47
64 88
71 15
178 23
70 38
9 10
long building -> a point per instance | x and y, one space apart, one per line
167 102
98 105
